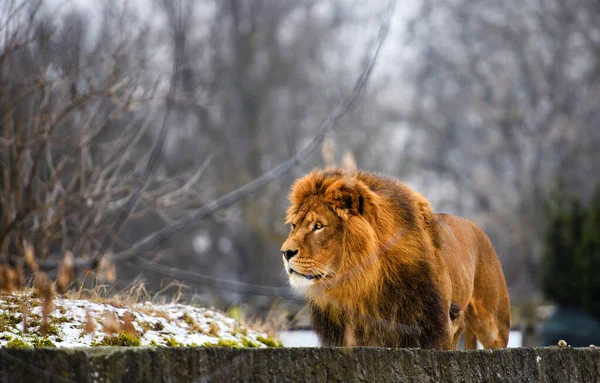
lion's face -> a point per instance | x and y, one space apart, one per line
331 238
311 253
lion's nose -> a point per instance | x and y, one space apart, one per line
289 253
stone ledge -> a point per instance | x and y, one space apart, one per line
140 364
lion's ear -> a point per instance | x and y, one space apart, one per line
346 196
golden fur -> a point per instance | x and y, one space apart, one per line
379 268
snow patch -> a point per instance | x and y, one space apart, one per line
155 324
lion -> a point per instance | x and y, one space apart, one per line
379 268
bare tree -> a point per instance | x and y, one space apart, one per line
505 104
75 122
260 93
162 170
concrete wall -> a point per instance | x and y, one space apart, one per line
107 364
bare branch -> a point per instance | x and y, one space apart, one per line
347 105
156 151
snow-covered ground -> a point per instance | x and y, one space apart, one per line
299 338
155 325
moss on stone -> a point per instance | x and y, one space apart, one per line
43 342
247 342
227 343
269 342
123 339
171 342
17 343
222 343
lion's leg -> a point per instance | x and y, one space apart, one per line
457 333
449 343
491 330
488 311
457 326
470 340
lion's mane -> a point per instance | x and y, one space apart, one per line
387 288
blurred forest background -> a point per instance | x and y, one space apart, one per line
483 106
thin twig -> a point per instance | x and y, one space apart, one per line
156 151
348 104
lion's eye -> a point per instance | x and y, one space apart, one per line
317 226
292 226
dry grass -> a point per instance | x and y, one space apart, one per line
43 291
275 321
192 323
71 143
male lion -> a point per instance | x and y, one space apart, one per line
379 268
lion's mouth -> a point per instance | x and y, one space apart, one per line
307 276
